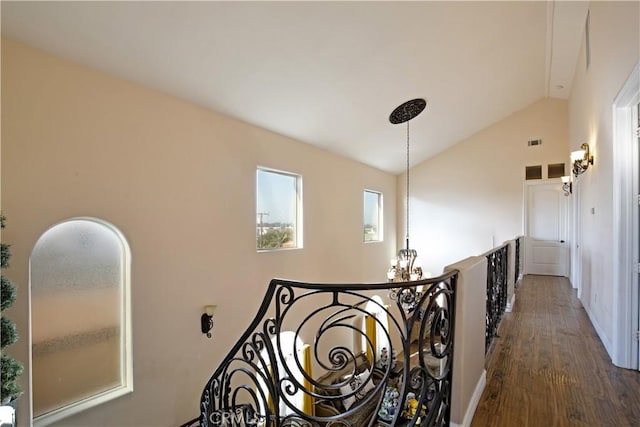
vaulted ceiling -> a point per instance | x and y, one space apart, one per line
326 73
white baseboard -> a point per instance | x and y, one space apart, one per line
600 332
473 403
510 303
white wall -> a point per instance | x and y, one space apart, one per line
615 50
179 182
468 199
469 372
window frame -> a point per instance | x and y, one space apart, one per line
126 335
380 216
298 226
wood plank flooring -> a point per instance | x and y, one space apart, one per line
549 368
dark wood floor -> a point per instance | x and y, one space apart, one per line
549 368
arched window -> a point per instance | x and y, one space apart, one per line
291 347
80 318
376 326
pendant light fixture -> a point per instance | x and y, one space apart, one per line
403 267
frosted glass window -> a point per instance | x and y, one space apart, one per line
372 216
80 318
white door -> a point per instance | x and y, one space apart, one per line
626 223
546 252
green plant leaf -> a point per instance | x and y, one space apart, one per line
10 370
7 293
8 332
5 255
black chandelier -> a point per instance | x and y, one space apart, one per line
404 267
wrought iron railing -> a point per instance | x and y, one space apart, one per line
401 374
496 291
518 265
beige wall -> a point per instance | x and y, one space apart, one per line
468 199
179 182
615 50
469 343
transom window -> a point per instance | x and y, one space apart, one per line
372 216
278 210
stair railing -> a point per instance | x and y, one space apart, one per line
410 384
496 290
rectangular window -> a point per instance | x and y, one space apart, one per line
555 170
278 210
533 172
372 216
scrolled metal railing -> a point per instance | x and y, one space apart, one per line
518 262
496 291
267 381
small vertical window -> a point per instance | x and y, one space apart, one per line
278 210
372 216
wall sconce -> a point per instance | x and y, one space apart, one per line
566 185
206 320
581 159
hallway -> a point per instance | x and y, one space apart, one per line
549 368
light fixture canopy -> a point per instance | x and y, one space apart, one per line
581 159
407 111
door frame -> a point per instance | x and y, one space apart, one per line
525 215
575 238
625 225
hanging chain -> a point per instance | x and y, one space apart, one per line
407 236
